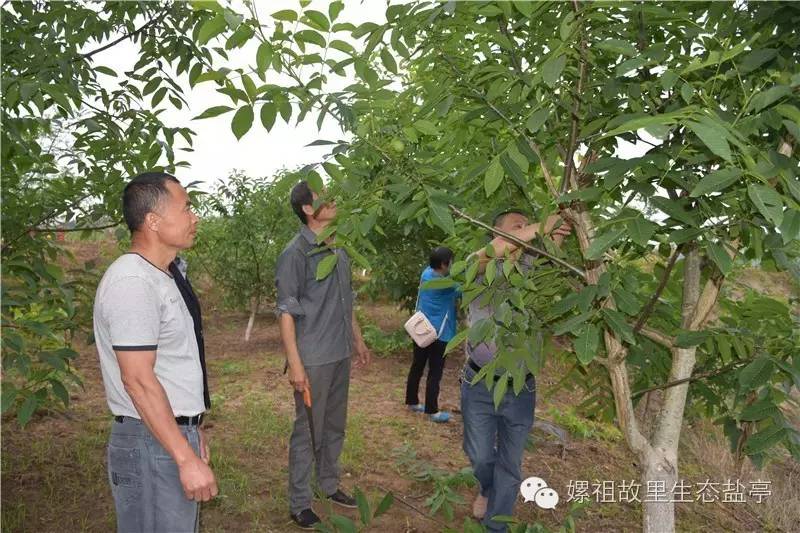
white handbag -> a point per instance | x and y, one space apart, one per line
421 330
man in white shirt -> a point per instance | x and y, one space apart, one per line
153 373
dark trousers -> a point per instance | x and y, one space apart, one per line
433 355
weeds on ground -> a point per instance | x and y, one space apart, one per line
366 515
444 497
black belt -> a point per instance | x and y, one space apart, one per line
474 366
195 420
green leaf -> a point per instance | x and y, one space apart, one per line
242 121
602 243
636 122
311 36
441 216
586 343
513 169
764 439
790 227
268 114
537 120
617 46
626 302
640 230
759 411
756 58
716 181
756 373
767 201
318 20
9 394
27 409
493 177
491 271
438 283
363 506
326 266
385 503
264 57
720 257
687 91
213 112
426 126
314 182
285 14
60 391
500 388
249 86
687 339
714 138
343 524
793 186
674 209
570 324
552 68
768 97
342 46
211 28
453 343
334 8
789 111
616 321
388 60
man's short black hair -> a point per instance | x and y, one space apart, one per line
301 195
499 217
440 256
142 195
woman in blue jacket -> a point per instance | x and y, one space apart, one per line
439 306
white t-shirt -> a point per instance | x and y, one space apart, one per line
138 307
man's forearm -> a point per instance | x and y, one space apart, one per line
287 329
358 338
153 406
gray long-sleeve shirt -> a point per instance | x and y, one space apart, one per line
322 310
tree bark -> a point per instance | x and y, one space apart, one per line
252 320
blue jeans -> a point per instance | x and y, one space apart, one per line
147 490
494 441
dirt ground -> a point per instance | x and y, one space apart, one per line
54 478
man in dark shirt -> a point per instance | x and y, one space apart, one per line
319 332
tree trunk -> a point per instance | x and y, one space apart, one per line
251 321
659 475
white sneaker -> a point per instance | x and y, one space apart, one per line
479 506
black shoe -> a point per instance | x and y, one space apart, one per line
305 519
343 499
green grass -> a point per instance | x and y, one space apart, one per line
354 450
14 517
584 428
229 367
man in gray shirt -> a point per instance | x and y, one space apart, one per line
319 332
494 438
152 370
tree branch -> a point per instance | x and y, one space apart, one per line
575 270
66 230
146 25
569 162
548 178
503 23
701 375
648 309
656 336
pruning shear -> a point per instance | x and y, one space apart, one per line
309 415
